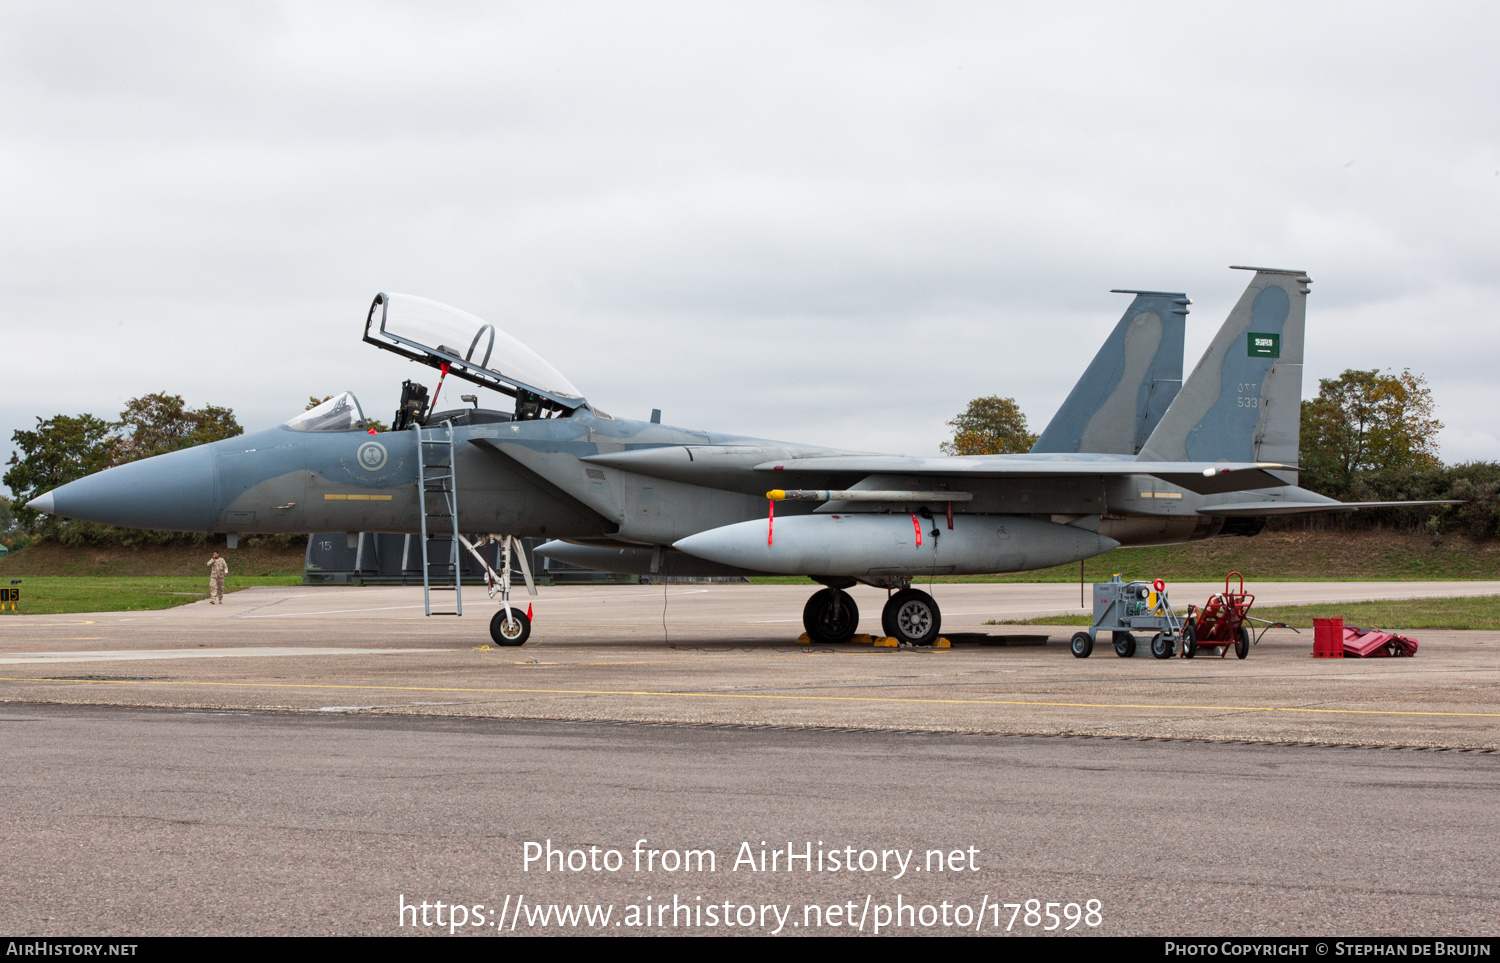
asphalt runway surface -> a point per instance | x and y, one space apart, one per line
301 760
726 654
171 822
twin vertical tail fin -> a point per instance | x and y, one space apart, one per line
1129 385
1243 401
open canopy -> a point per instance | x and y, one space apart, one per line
474 350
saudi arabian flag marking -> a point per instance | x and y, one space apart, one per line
1264 345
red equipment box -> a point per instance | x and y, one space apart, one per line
1328 638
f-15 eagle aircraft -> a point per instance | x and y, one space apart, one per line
1134 457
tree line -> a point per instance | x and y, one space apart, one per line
1367 436
66 447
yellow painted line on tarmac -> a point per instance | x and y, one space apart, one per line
54 638
746 695
28 621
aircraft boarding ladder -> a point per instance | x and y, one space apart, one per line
437 496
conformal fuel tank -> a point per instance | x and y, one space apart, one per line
881 544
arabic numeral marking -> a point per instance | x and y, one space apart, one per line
1249 402
1036 912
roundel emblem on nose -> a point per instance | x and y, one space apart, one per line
371 456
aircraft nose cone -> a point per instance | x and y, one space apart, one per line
175 492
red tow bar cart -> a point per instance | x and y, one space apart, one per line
1222 622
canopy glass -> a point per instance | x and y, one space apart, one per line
473 349
339 413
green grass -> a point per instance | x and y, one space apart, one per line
59 595
1476 612
1482 612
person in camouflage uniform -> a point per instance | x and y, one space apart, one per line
217 569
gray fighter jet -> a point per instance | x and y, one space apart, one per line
1130 459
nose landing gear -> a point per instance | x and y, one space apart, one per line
514 630
509 626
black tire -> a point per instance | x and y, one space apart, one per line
1124 644
912 617
1242 643
830 616
1161 646
1082 645
514 633
1189 640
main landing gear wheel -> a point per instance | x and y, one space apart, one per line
830 616
1082 645
1161 646
514 632
1189 641
1242 644
1124 644
911 616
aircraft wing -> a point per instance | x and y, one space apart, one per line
1205 478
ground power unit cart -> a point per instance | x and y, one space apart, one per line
1126 608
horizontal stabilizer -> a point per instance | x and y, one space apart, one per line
1251 509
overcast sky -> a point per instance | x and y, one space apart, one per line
827 223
